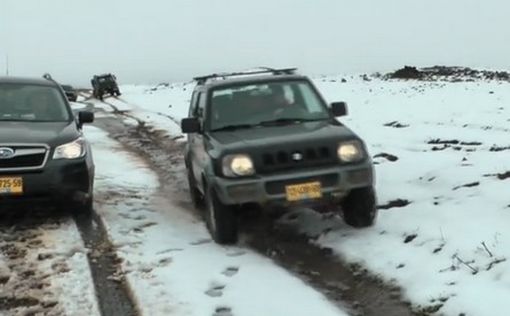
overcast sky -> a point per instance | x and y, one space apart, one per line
152 41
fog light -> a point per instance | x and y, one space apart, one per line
242 191
359 176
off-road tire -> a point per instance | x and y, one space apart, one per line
98 94
197 198
360 207
221 219
85 208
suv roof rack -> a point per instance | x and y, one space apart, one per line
263 70
103 75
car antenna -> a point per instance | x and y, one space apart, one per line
7 65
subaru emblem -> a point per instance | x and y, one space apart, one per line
6 153
297 156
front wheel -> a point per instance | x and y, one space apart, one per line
359 207
221 219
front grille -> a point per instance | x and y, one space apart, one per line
26 157
281 160
278 187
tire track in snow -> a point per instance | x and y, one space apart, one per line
110 284
116 110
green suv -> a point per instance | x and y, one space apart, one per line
103 85
269 138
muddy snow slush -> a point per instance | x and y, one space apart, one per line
268 138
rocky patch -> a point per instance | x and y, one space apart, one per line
447 73
467 185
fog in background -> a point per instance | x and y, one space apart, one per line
153 41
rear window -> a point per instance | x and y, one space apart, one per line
21 102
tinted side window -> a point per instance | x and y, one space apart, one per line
193 104
196 109
199 112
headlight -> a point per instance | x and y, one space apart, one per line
72 150
350 151
238 166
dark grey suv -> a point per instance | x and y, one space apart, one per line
43 154
269 138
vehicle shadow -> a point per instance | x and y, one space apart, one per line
30 216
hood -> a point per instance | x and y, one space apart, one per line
309 132
50 133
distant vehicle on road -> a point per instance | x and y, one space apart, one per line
268 138
103 85
44 156
70 92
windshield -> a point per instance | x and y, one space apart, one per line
21 102
255 104
105 79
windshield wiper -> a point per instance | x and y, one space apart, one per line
12 120
234 127
29 121
289 120
281 121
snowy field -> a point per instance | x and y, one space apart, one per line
443 147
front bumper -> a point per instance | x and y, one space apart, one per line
59 180
335 181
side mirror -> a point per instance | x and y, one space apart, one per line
85 117
339 108
190 125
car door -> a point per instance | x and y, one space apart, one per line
197 149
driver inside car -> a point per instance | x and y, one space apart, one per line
283 108
278 98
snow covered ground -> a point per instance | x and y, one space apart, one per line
44 269
153 104
448 245
170 262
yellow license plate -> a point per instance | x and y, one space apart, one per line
11 185
296 192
